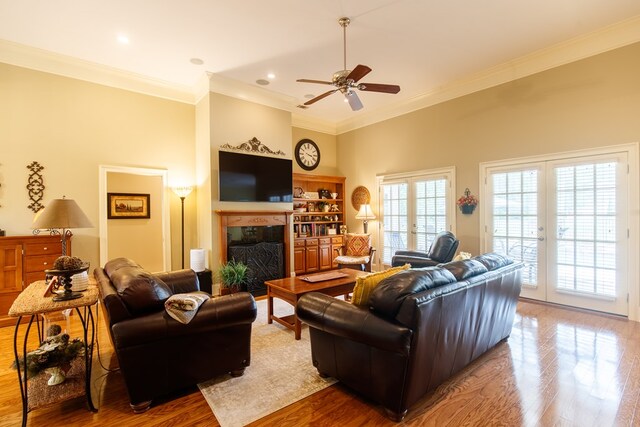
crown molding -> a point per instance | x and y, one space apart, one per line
247 92
600 41
314 124
67 66
605 39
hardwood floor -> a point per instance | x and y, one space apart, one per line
560 367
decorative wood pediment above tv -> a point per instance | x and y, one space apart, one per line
253 146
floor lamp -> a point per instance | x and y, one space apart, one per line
182 192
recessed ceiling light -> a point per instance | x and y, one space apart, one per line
271 76
262 82
309 96
123 39
196 61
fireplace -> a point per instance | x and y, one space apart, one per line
258 239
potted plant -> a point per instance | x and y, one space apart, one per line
467 203
323 206
232 276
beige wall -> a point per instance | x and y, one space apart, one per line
203 177
328 151
589 103
234 121
70 127
141 238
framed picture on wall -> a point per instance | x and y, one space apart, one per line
128 206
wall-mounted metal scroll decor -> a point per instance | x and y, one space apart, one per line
253 146
35 186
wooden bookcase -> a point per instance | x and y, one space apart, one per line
317 233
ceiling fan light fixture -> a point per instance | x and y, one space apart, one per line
346 80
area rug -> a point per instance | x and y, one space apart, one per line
280 373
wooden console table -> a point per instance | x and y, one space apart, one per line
31 303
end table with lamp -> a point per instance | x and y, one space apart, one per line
32 303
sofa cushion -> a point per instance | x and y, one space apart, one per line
366 284
140 290
493 260
462 270
387 297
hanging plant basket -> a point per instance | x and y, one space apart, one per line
467 209
467 203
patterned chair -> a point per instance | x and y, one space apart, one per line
357 252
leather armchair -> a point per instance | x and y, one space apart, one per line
442 250
157 354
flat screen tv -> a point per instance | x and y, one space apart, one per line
249 178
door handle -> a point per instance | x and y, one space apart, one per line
541 238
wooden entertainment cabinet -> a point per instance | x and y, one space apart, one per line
317 233
23 260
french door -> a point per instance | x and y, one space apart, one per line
567 221
413 209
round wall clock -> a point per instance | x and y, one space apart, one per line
307 154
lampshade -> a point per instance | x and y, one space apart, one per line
365 212
61 213
182 191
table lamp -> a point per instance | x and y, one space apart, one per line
61 213
182 192
365 214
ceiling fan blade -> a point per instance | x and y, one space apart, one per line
322 82
354 101
359 72
377 87
319 97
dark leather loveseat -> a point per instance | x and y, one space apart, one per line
159 355
423 326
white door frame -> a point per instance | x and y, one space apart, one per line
633 207
102 208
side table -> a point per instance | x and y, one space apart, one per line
32 303
206 280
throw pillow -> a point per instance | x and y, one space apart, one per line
358 244
462 256
365 284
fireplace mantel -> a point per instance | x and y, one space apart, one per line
233 218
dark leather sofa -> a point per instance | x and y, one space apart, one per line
423 326
442 249
159 355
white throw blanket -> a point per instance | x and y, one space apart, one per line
183 307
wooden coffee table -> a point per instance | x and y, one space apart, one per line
290 289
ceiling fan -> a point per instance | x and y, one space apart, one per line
346 81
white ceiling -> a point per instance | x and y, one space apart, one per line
421 45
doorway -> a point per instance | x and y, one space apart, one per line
567 219
146 241
414 208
